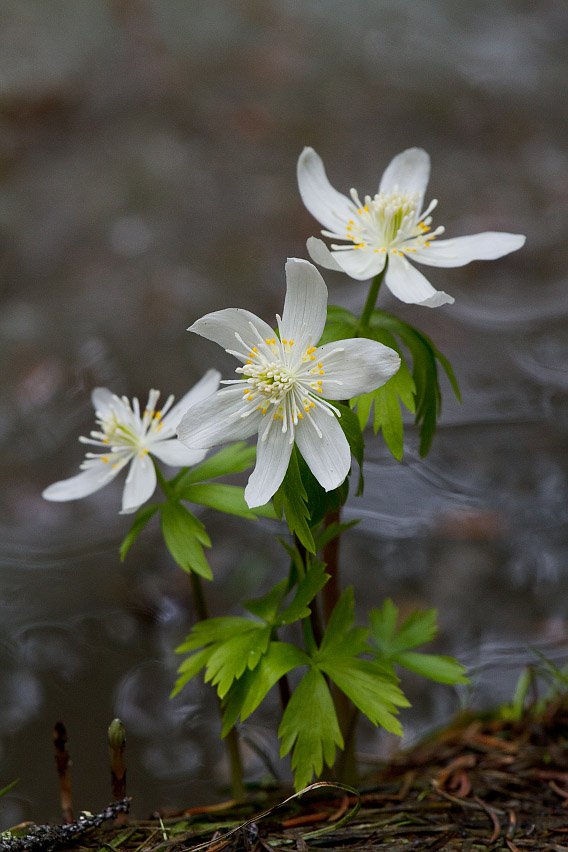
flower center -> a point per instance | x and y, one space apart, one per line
390 220
283 376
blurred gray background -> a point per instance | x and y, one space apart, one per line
147 175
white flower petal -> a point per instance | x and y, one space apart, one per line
140 483
321 255
457 252
102 399
306 300
359 365
360 263
85 483
409 171
272 457
325 203
221 327
174 453
409 285
206 386
217 420
328 457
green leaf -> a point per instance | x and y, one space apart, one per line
331 531
383 625
233 459
309 726
183 535
340 325
230 659
349 422
433 666
267 607
291 498
420 627
252 687
314 579
224 498
387 399
340 638
427 394
189 668
366 685
141 518
214 630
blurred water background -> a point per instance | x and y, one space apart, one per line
147 175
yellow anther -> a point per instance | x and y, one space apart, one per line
276 417
312 357
104 458
366 209
268 340
320 364
284 341
307 408
320 390
427 244
300 415
312 405
291 342
322 372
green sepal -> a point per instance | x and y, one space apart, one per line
141 518
232 459
184 534
252 687
309 726
292 500
225 498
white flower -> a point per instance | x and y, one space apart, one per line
127 436
392 222
286 382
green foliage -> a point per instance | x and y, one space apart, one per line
226 647
292 500
425 356
183 533
253 686
141 518
225 498
394 646
184 536
233 459
417 390
352 430
309 726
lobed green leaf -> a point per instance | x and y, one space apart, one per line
232 459
184 535
309 726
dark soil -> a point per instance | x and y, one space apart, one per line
481 784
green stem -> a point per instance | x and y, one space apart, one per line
232 738
371 301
